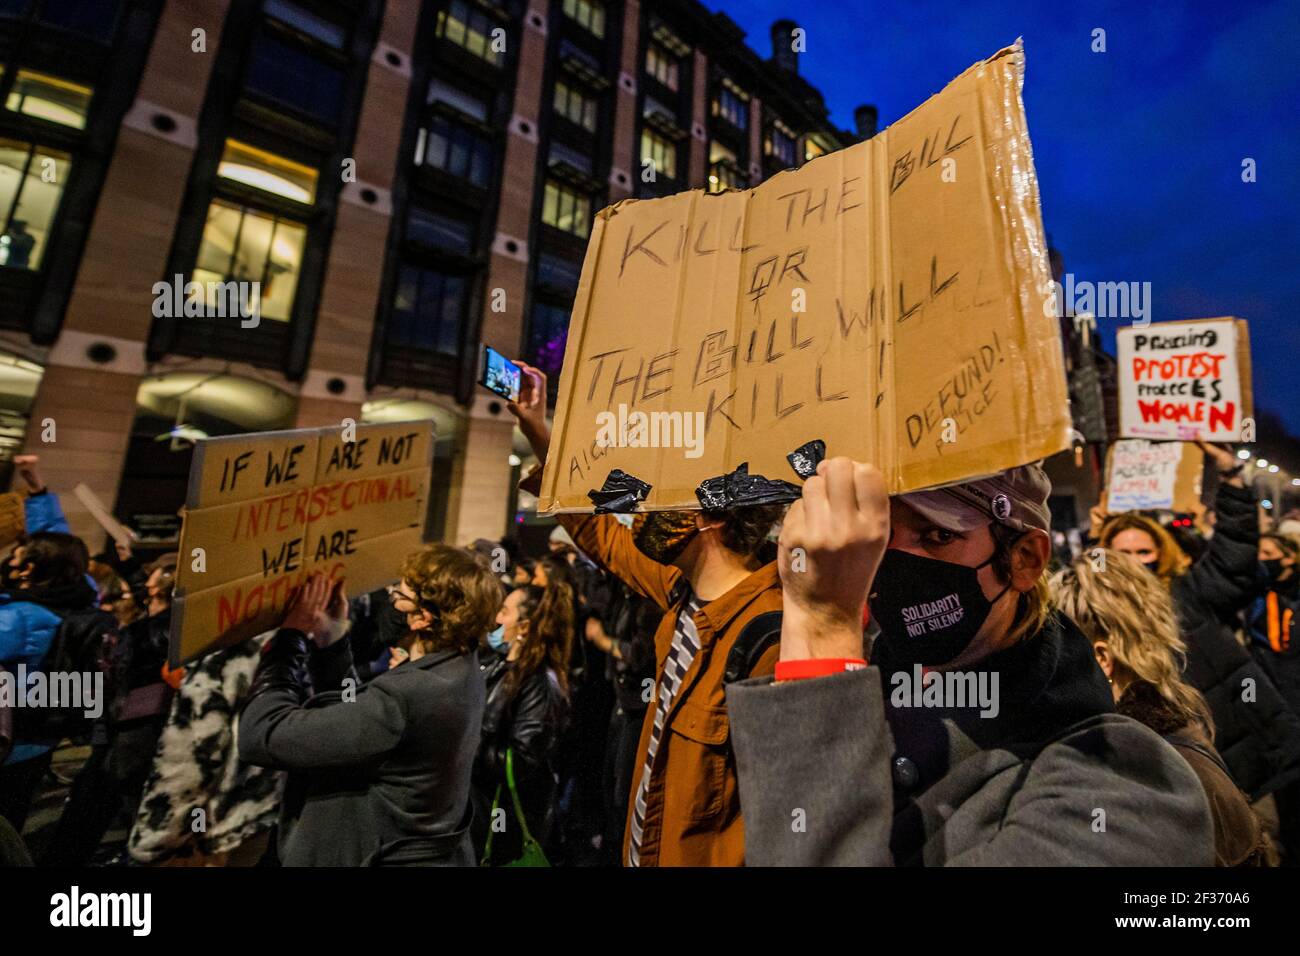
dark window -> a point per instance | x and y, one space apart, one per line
558 272
294 78
92 18
458 99
306 22
457 149
427 310
548 329
567 154
439 231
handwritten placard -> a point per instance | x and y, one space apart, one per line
266 510
890 298
1153 476
1184 380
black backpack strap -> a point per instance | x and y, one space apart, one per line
754 639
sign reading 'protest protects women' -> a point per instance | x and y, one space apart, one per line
1181 381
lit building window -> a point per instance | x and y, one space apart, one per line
724 170
245 245
575 106
780 142
469 28
456 149
273 174
566 209
586 13
812 149
31 184
661 152
732 106
662 65
427 309
49 98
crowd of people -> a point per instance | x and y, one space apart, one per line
852 679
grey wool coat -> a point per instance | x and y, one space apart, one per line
832 772
378 777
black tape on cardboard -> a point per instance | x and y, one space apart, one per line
620 494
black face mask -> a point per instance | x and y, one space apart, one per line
928 610
1271 570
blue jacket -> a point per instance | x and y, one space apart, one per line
44 513
26 632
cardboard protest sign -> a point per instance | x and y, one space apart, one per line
1153 476
268 509
13 518
119 532
1181 381
891 299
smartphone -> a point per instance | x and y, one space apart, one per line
500 375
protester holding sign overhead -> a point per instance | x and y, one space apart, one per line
837 768
703 571
379 774
1257 733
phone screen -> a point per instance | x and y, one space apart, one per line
500 375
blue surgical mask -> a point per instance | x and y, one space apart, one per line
497 639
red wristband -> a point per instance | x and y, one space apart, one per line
817 667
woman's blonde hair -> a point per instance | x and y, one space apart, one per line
1115 600
1172 560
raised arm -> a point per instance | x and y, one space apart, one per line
278 730
812 756
600 537
1223 579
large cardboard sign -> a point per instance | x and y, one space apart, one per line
1153 476
1181 381
890 299
268 509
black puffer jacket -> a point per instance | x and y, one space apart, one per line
1256 732
527 719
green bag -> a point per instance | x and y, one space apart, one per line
532 854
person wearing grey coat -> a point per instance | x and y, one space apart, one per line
378 774
982 733
831 773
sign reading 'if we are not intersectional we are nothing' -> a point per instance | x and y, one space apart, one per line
266 510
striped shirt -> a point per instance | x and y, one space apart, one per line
686 643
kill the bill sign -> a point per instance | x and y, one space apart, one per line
891 299
265 510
